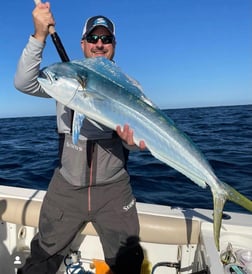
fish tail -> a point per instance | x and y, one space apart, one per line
219 201
236 197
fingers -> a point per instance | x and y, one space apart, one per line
127 135
42 18
142 145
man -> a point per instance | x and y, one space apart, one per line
91 183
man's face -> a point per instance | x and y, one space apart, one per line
99 48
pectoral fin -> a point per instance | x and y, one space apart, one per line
76 126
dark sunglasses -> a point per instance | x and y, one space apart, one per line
93 38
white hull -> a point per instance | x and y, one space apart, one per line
182 236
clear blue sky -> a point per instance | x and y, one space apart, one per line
185 53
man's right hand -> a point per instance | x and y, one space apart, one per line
42 18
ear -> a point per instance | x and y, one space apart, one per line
114 43
82 45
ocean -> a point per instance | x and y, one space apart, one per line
28 156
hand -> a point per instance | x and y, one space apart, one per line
42 18
127 135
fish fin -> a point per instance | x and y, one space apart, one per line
236 197
219 201
76 126
95 124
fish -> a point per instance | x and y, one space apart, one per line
97 89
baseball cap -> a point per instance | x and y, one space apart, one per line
96 21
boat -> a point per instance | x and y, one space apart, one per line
174 240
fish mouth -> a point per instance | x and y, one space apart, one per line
48 81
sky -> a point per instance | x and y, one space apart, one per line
185 53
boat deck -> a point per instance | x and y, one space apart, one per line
174 235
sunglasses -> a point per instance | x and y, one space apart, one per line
93 38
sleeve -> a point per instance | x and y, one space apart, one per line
27 72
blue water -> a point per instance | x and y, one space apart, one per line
28 155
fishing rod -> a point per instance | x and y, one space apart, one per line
56 41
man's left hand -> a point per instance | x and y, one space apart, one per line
126 134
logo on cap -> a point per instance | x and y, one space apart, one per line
100 21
